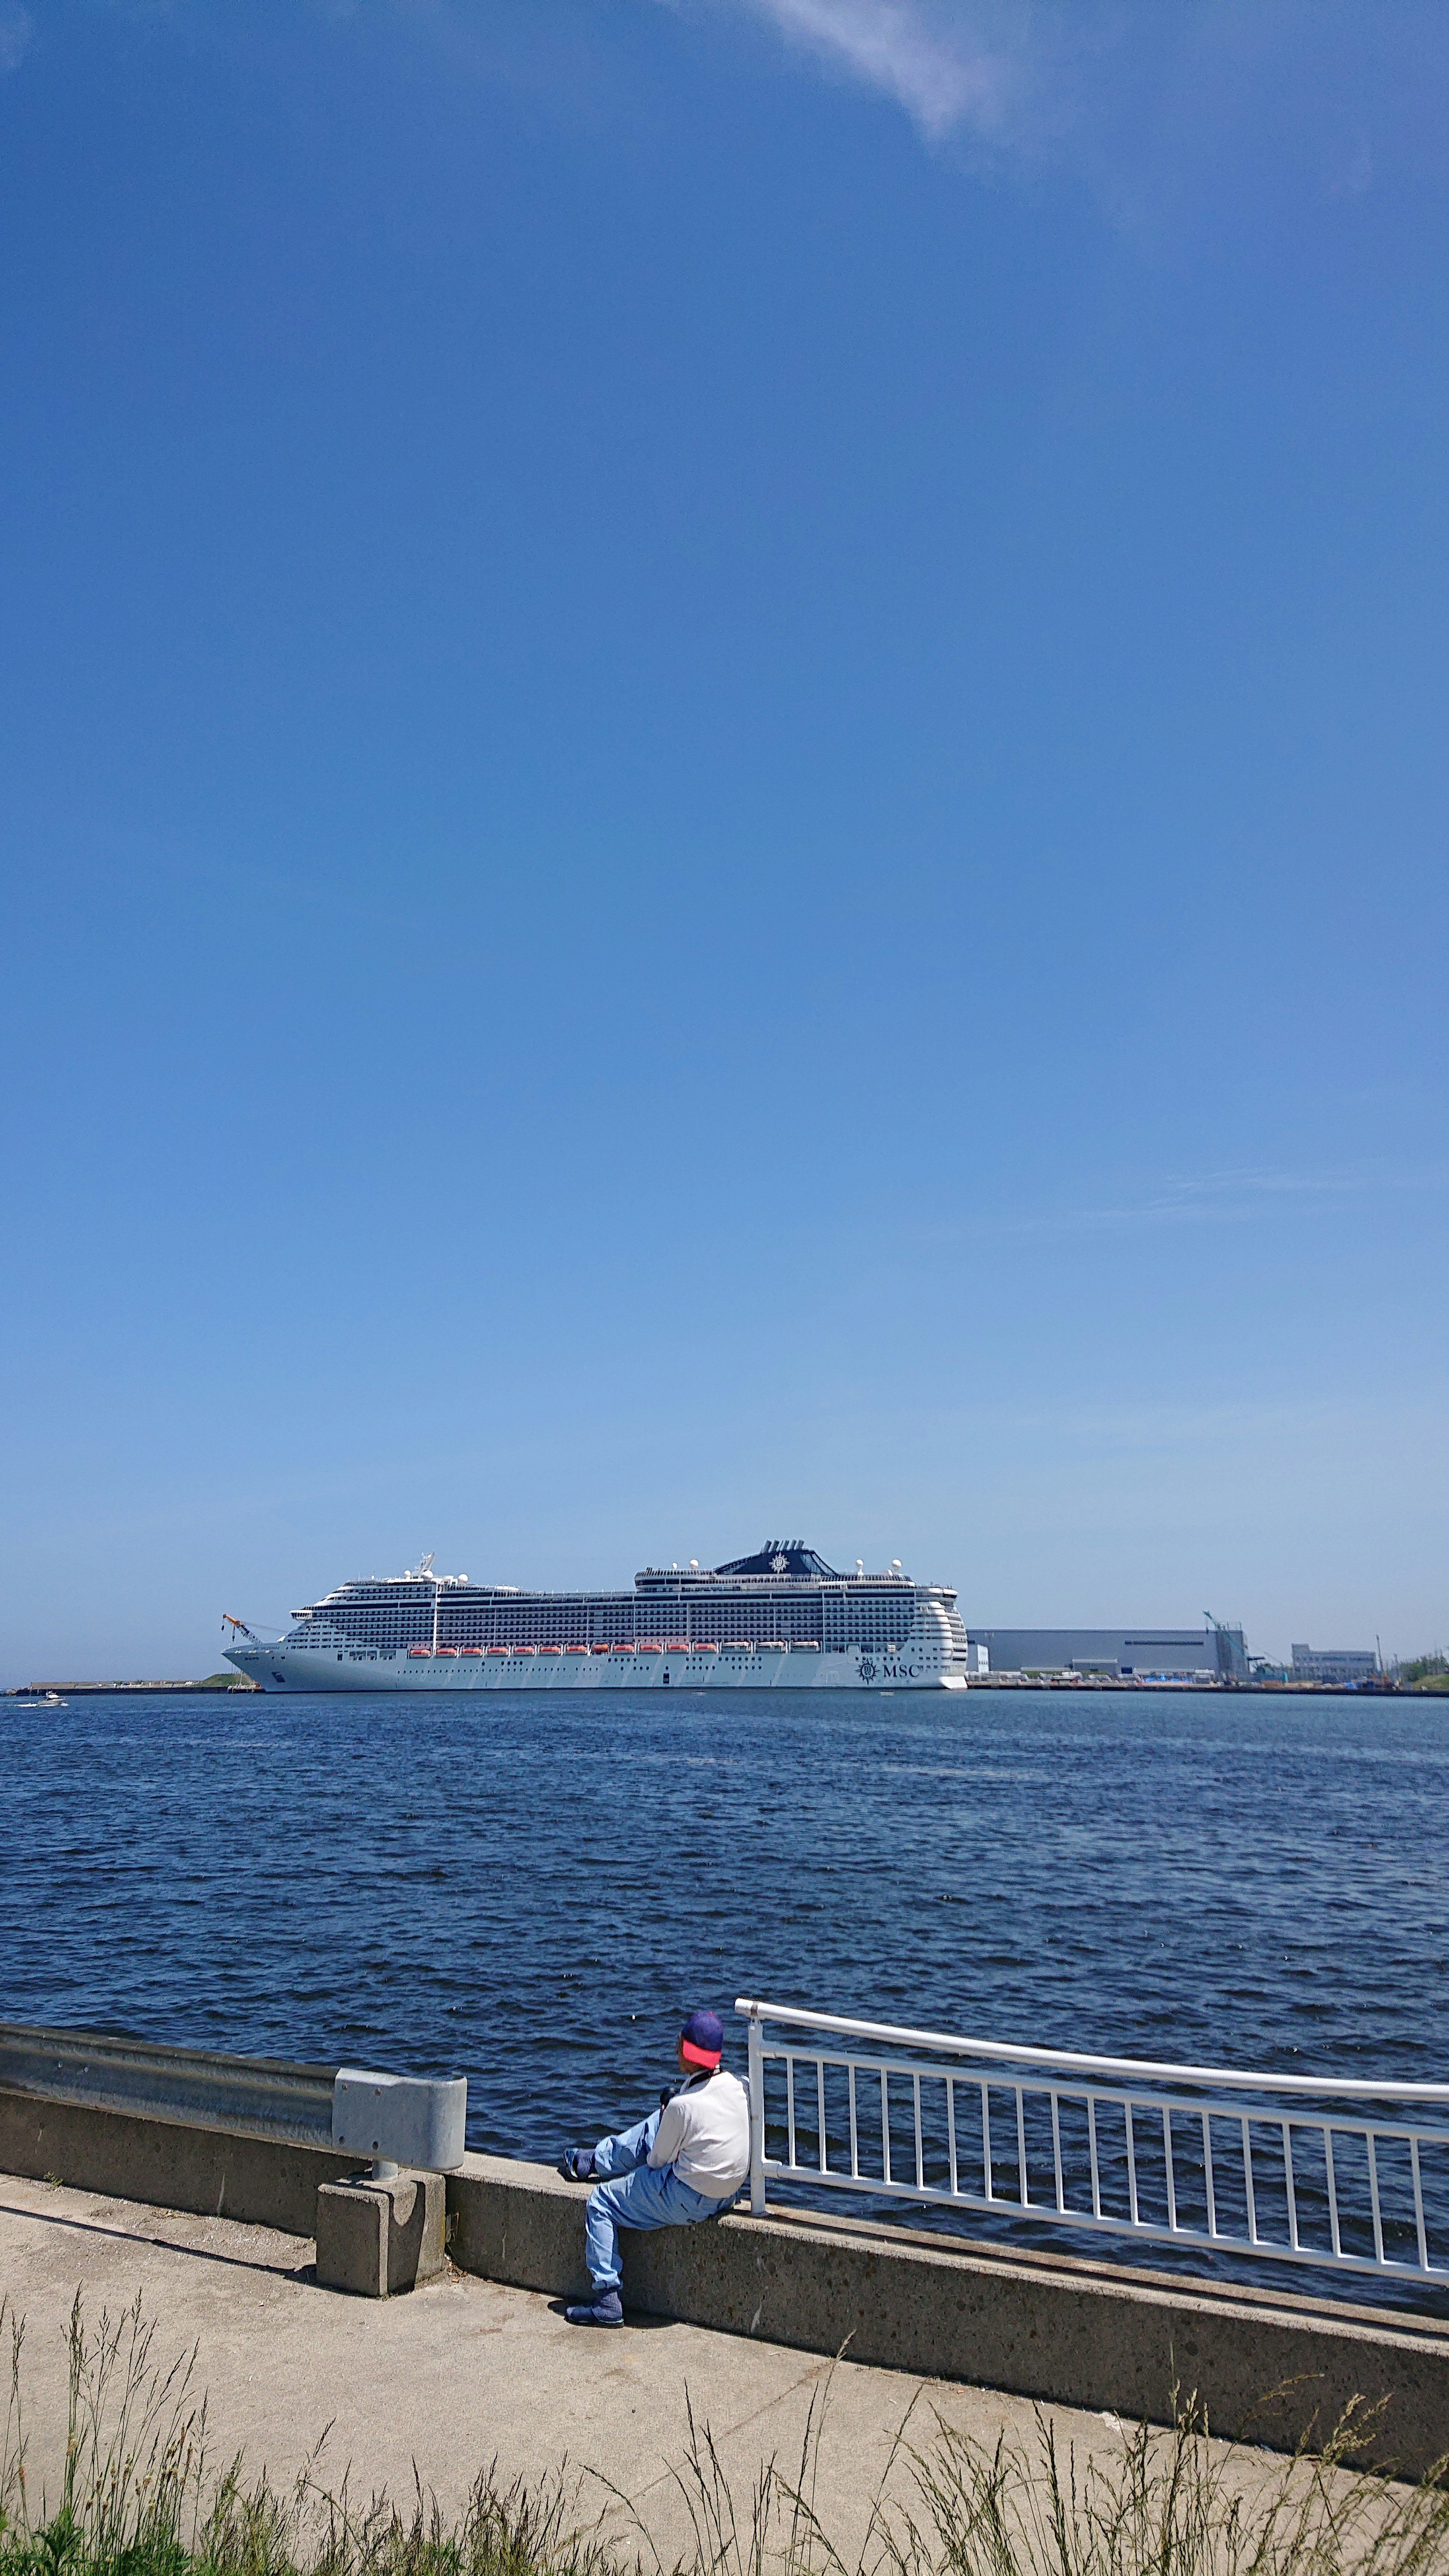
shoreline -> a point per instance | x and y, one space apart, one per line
978 1682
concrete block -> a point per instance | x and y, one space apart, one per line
378 2238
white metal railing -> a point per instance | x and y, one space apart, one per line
1193 2156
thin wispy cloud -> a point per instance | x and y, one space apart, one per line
1235 1197
948 67
1141 99
1248 1187
16 29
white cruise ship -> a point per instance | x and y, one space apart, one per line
781 1620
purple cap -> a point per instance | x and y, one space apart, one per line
702 2039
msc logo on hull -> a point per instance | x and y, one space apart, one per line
891 1668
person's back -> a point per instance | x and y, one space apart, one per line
704 2133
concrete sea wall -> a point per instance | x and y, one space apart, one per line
1268 2368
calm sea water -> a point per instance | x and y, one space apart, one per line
532 1890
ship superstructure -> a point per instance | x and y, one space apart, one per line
782 1618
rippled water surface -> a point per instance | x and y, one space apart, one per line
531 1890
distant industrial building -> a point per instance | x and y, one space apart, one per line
1336 1664
1206 1654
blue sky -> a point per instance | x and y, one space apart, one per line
723 804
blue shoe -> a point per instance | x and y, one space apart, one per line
577 2164
606 2310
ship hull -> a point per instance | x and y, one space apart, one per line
312 1669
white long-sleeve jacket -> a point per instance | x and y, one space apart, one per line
704 2133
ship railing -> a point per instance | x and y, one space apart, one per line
1351 2175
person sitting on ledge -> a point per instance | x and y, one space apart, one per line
687 2161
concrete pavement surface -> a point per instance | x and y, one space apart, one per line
464 2373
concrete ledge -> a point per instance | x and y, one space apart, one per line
166 2165
1093 2335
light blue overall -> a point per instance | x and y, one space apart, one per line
632 2194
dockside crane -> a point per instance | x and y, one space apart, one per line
1222 1650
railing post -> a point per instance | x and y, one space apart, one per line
757 2117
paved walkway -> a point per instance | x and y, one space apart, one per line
457 2375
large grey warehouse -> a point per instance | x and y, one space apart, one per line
1188 1654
